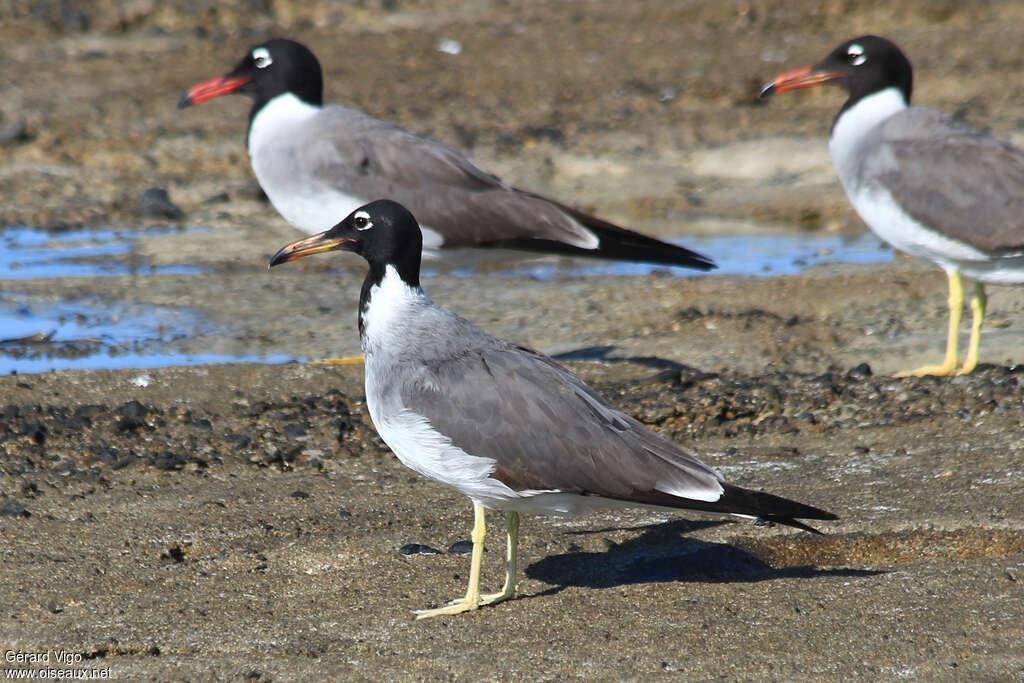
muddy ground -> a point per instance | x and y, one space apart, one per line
233 521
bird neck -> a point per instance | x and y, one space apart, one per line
387 295
269 117
859 116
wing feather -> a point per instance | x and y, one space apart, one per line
966 184
547 430
367 157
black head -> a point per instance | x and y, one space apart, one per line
863 66
382 232
269 69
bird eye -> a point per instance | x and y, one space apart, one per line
855 55
362 221
261 56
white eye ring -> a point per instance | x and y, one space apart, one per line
856 54
261 56
362 220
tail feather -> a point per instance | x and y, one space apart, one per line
736 500
615 243
770 507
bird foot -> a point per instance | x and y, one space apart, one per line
457 606
342 360
500 596
966 368
467 604
943 370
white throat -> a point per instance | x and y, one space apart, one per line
854 124
280 114
391 302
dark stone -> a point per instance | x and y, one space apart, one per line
175 553
460 548
154 201
14 509
122 462
294 430
133 416
84 415
14 132
166 460
862 370
418 549
39 435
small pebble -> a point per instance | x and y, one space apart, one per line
449 46
13 132
460 548
862 370
155 202
418 549
14 509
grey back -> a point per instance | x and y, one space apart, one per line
965 184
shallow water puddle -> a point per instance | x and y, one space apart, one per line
25 366
34 253
99 334
752 255
38 335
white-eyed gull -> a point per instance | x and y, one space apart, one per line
922 182
501 423
318 162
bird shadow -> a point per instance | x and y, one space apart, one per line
601 354
664 553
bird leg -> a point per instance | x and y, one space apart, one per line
472 599
956 305
511 559
978 302
341 360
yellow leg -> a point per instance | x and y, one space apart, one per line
511 559
342 360
978 302
956 305
472 599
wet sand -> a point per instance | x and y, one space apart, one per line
244 520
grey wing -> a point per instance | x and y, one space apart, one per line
547 430
967 185
366 157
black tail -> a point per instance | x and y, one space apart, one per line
769 507
740 501
614 243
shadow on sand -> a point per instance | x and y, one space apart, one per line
663 552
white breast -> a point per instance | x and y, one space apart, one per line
889 221
853 126
278 139
392 302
